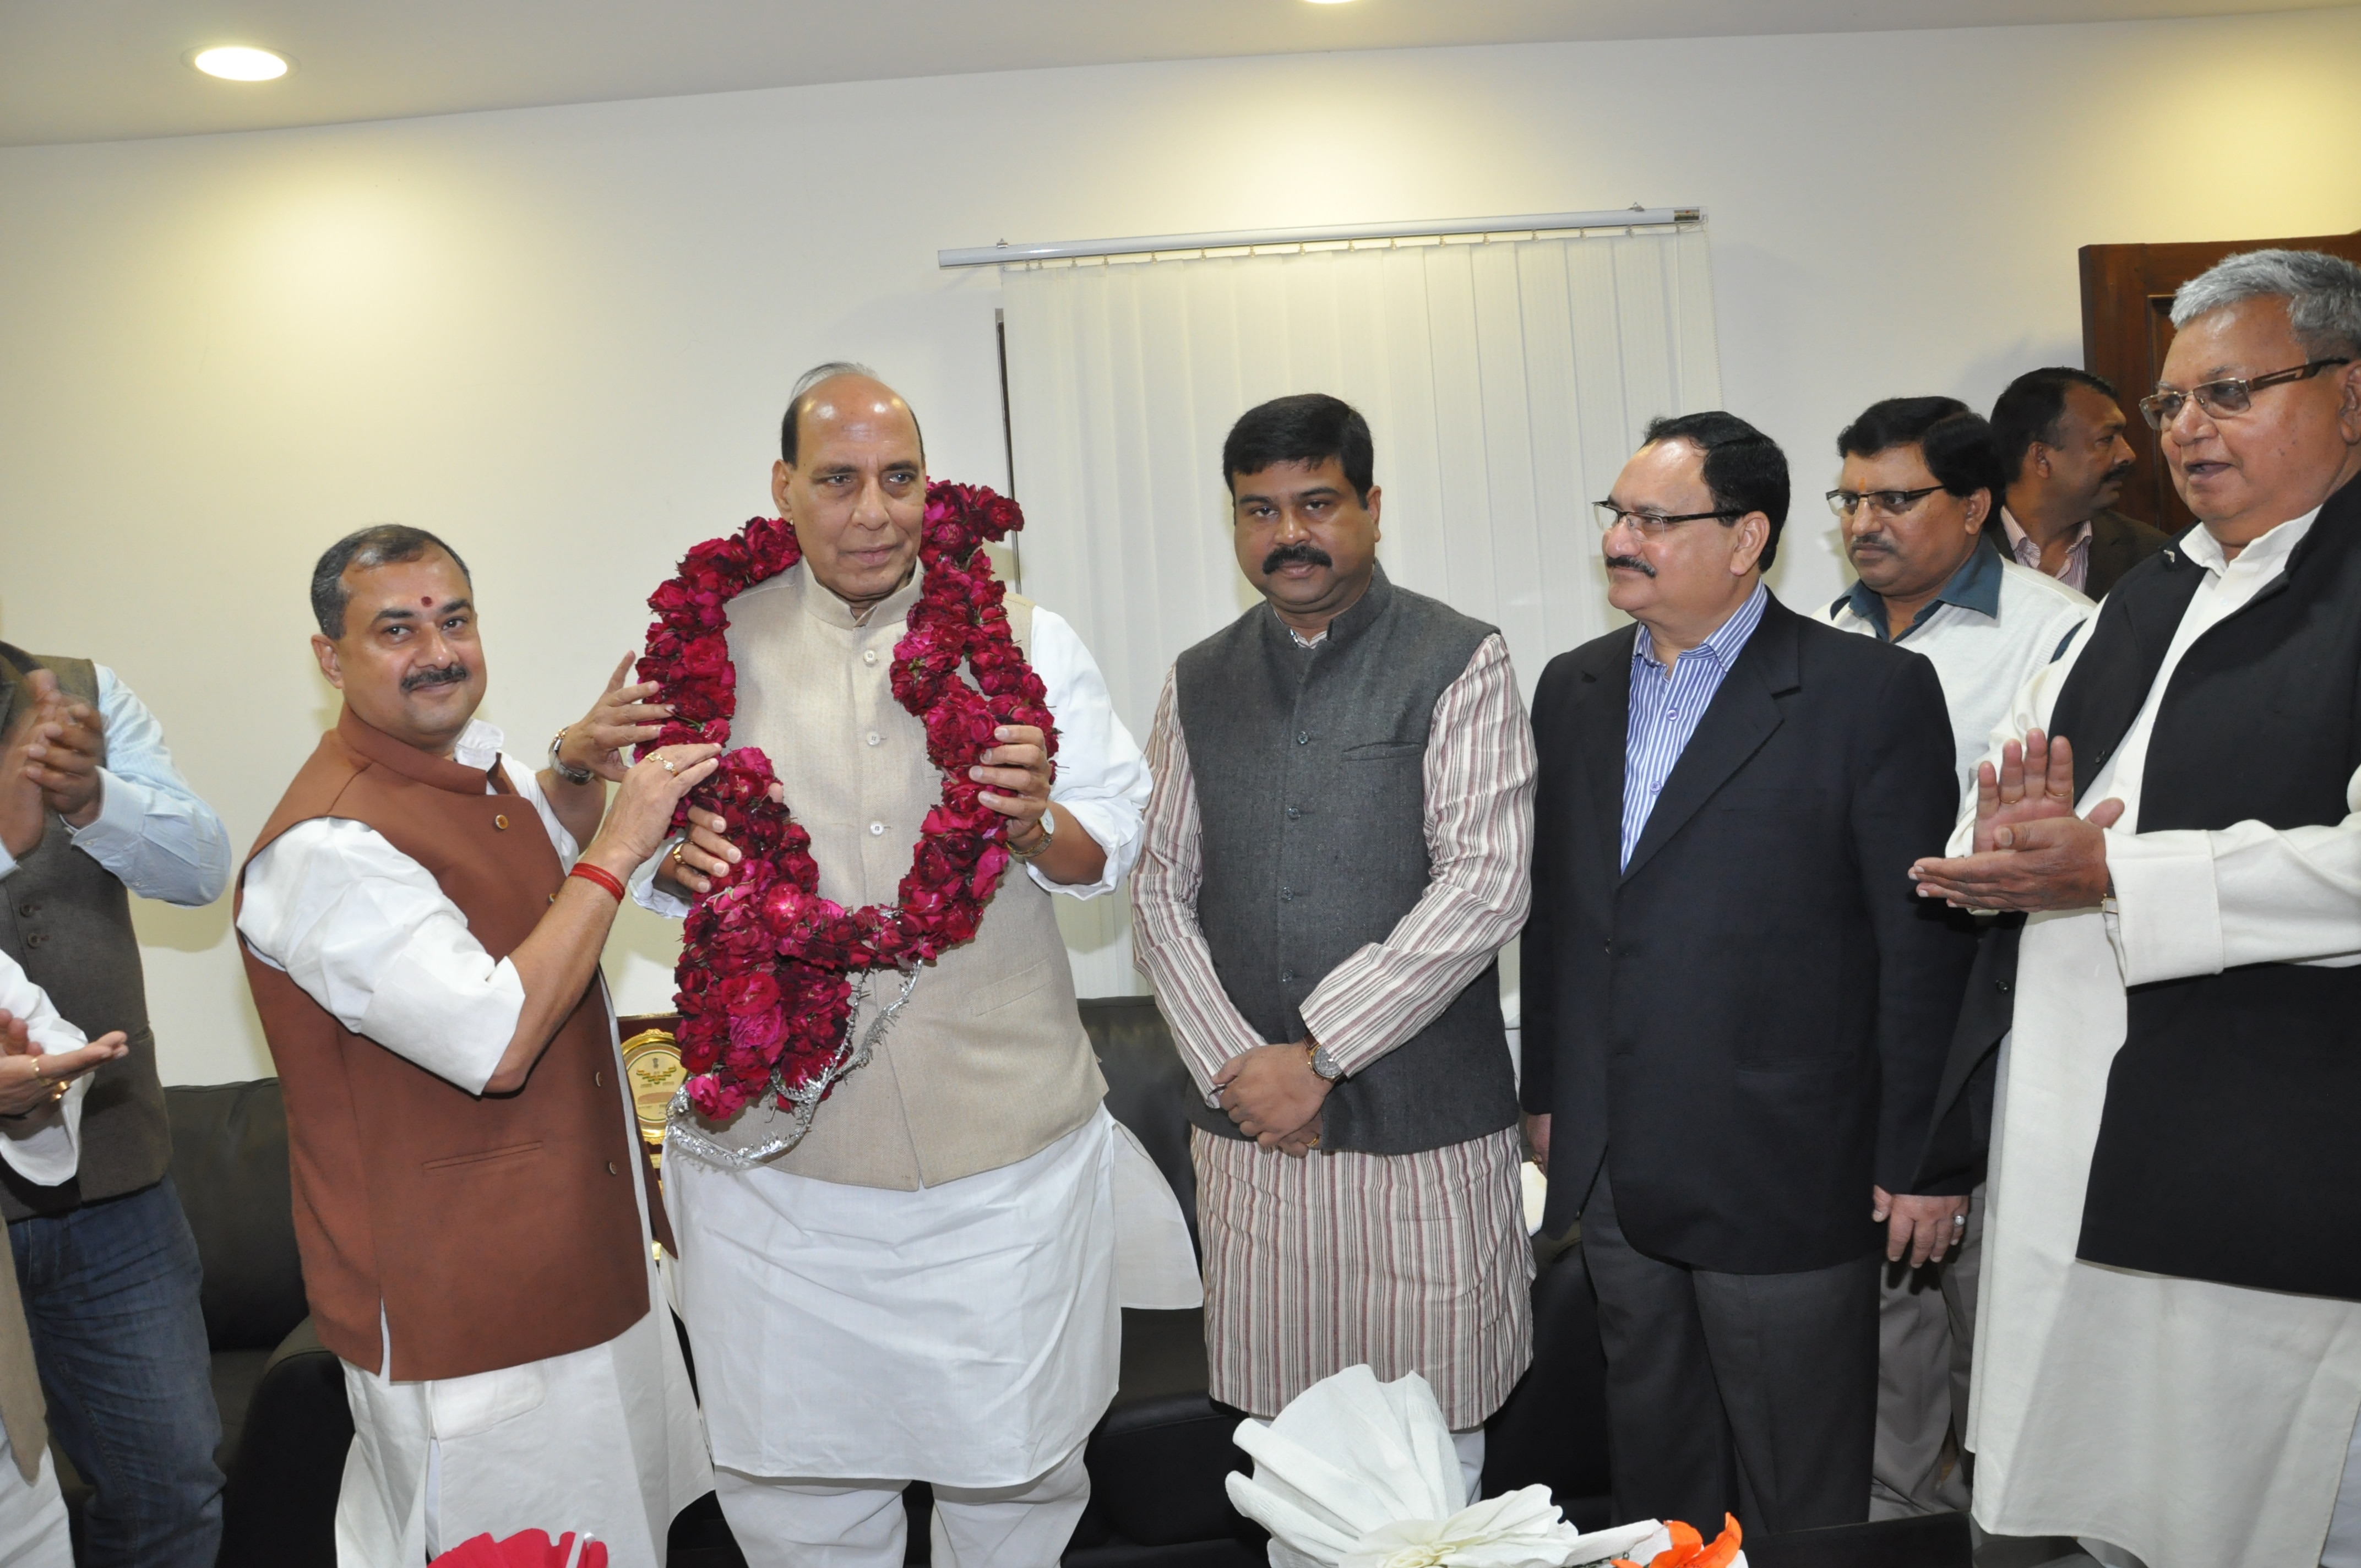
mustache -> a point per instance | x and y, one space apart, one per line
1630 564
1308 554
448 675
2119 473
1868 543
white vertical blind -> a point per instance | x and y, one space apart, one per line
1505 383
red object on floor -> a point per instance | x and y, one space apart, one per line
532 1548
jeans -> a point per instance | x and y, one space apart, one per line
111 1296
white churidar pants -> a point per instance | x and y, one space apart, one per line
796 1524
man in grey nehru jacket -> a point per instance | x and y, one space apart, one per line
92 810
1336 851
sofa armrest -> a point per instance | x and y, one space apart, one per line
280 1510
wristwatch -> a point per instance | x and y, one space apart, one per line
565 769
1324 1064
1048 831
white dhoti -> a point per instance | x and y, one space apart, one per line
604 1443
857 1338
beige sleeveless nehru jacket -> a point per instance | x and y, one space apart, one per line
988 1063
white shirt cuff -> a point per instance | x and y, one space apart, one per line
45 1149
1103 823
121 822
2167 923
652 897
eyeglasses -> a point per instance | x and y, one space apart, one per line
1653 524
2163 406
1885 503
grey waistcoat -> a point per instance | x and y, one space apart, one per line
1311 779
68 922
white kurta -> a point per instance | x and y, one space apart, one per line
2194 1423
967 1333
44 1147
606 1440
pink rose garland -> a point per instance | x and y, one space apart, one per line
766 963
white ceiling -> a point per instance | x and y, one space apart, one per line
108 70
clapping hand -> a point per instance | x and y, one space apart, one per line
31 1082
2030 850
61 755
622 718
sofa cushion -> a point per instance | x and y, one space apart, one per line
229 1162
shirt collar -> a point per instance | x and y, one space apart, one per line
479 745
2265 554
2018 539
1727 639
1975 586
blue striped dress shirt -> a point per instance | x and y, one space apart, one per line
1666 706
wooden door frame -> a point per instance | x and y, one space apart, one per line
2126 293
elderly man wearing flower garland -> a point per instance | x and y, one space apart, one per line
917 1278
422 937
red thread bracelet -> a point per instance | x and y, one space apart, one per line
599 876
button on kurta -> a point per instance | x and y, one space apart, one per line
612 1170
869 655
877 829
873 737
501 822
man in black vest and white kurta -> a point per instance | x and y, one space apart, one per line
1336 851
925 1285
91 811
2168 1355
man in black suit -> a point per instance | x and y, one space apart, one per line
1735 1012
2060 433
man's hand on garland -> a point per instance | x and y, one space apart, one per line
1015 775
704 854
1271 1092
623 717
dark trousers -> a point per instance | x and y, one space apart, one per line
1752 1394
110 1294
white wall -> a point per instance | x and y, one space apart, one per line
562 337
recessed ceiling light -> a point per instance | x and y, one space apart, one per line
1331 2
235 62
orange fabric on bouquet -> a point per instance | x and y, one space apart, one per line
1689 1551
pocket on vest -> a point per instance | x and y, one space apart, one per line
1384 750
484 1157
1009 989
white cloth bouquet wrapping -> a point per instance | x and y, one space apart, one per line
1359 1473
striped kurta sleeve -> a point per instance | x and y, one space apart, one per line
1169 946
1479 833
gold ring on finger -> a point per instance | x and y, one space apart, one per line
667 765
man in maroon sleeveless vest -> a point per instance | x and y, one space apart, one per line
468 1195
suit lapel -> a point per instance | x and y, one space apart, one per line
1602 724
1742 716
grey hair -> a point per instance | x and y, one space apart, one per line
2322 294
801 393
379 544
